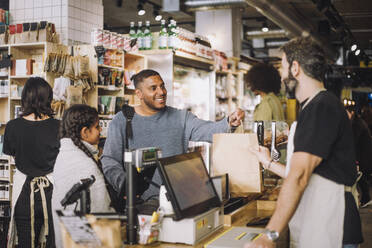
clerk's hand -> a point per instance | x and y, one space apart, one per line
236 118
263 155
261 242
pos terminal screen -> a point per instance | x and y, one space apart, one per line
187 180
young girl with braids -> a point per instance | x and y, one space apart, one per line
79 133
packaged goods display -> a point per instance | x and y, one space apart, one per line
4 168
4 191
194 44
17 111
4 34
4 88
109 57
107 39
4 17
108 76
21 67
110 105
220 60
29 32
16 91
1 144
104 124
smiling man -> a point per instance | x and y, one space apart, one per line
155 124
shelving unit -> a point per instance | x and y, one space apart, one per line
130 62
229 92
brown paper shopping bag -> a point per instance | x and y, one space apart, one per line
230 154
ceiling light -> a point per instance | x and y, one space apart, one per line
265 28
157 15
353 47
141 10
357 52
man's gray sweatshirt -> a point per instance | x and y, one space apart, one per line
170 130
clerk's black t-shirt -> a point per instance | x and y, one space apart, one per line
34 144
323 129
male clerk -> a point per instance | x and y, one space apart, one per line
156 125
315 198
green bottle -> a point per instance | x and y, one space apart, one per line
148 36
163 36
132 31
140 36
172 35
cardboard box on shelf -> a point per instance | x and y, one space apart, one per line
21 67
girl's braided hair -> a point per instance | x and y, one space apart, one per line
74 119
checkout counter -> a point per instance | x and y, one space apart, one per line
197 220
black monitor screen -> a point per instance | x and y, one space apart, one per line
188 184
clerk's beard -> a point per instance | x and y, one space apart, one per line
291 84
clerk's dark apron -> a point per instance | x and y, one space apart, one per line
40 182
319 218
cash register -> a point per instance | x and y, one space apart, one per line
196 205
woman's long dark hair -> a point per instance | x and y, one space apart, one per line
37 96
74 119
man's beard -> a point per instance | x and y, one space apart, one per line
152 106
291 84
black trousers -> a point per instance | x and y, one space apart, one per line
22 216
364 188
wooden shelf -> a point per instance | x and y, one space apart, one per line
222 72
7 179
15 98
155 51
4 158
4 96
178 54
36 45
193 57
4 200
134 55
109 87
22 76
112 67
226 73
106 116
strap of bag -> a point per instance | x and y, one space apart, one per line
128 112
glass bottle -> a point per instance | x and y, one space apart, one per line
140 36
163 35
147 37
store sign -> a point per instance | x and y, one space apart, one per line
171 5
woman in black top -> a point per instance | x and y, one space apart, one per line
33 141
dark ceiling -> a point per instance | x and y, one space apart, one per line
337 22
